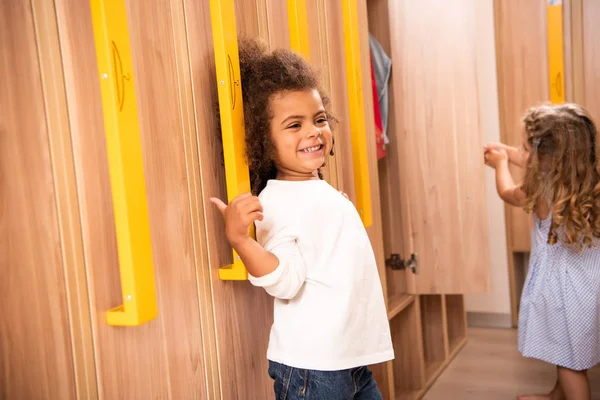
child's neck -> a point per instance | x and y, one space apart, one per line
296 176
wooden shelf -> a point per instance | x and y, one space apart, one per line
455 321
398 303
432 369
457 347
432 324
408 364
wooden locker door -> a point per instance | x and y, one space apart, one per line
37 345
242 314
522 61
591 52
439 145
171 356
273 27
317 13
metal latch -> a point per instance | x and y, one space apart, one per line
396 262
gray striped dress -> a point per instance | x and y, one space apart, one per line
559 320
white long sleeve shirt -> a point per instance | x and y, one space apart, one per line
329 308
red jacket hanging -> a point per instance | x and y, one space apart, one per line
378 124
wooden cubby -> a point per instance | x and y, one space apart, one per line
435 347
408 365
428 331
456 323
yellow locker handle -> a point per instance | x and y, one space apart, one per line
556 66
298 24
358 127
222 14
125 163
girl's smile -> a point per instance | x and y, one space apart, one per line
313 151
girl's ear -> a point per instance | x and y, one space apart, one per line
331 153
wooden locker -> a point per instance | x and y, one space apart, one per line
165 357
36 335
243 314
431 184
522 58
210 337
442 191
591 49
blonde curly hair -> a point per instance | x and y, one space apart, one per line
564 170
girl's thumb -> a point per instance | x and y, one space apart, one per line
219 203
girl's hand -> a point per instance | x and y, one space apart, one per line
493 157
494 146
239 214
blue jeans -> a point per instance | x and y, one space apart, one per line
301 384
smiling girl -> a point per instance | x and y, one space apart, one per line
312 253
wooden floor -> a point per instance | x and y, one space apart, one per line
491 368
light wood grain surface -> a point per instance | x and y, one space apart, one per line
35 343
522 67
591 52
242 314
439 138
163 358
63 168
389 178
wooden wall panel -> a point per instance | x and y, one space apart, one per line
277 17
273 27
439 138
390 182
35 344
383 373
574 57
335 73
163 358
591 57
155 35
243 314
375 230
63 166
472 275
522 57
246 19
319 45
569 50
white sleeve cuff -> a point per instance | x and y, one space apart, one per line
268 280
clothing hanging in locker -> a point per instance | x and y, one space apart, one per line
379 135
381 65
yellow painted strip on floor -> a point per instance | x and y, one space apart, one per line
556 66
125 163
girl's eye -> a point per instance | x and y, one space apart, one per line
322 120
294 126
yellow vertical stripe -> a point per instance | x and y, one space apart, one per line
298 24
556 68
357 111
125 163
222 14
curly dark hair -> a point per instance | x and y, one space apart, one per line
265 74
564 170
